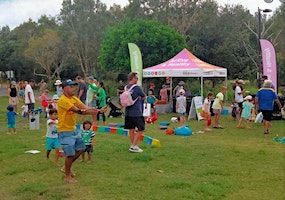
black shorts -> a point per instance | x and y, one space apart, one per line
88 148
31 107
240 105
134 122
267 114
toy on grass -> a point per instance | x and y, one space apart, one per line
169 131
183 131
151 119
163 125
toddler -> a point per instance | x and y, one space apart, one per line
206 114
247 107
87 137
52 141
11 119
181 103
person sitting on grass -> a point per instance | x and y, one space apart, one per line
52 141
218 107
88 139
11 119
247 107
206 114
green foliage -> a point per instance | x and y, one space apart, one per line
157 43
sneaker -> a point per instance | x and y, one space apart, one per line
135 149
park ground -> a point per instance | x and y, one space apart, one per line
229 163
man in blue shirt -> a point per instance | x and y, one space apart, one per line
265 98
134 114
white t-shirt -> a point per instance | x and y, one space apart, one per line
28 89
238 94
206 105
181 104
218 100
52 128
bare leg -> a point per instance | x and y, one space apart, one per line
89 156
69 176
136 137
48 153
132 135
56 156
216 121
266 126
83 156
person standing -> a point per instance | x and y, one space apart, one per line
265 98
239 97
134 120
218 107
58 87
13 95
11 119
29 95
101 102
91 92
69 106
181 104
82 89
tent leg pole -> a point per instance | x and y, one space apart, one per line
202 82
171 95
226 80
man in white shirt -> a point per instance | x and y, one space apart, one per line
29 95
239 97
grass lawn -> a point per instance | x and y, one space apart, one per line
223 164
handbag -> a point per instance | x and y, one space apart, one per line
146 109
259 118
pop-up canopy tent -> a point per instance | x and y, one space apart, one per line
185 64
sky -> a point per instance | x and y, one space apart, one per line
15 12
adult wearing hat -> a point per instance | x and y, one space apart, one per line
69 106
58 87
265 99
239 97
91 92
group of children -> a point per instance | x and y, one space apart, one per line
52 141
247 111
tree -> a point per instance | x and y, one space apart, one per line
157 43
45 50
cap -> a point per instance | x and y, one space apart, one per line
55 97
248 97
68 82
240 81
58 82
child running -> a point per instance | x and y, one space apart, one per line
87 137
206 114
247 107
52 141
11 120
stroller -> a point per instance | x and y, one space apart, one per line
115 108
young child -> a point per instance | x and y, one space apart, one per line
181 103
151 99
11 119
151 119
44 101
87 137
52 141
218 107
206 114
247 107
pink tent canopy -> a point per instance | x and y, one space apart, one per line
185 64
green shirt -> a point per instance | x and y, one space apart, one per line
101 97
87 136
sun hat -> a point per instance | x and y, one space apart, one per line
58 82
240 81
68 82
248 97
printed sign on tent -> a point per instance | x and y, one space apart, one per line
196 108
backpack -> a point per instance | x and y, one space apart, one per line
126 97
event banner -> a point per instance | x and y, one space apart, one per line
136 60
269 61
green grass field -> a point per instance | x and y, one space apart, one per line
224 164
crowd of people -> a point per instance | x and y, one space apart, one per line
74 99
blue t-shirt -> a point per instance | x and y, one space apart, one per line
266 97
136 110
11 117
